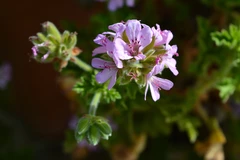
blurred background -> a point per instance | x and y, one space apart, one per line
34 110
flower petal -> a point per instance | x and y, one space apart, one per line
113 80
146 90
163 83
171 64
154 92
100 39
99 50
102 64
117 27
146 37
121 49
104 75
133 28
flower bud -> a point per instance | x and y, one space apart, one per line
93 135
83 125
105 128
42 37
52 30
51 46
92 128
72 40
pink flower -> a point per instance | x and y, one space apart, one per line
138 52
109 71
166 60
138 38
161 37
157 84
107 46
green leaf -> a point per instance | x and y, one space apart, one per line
189 124
226 87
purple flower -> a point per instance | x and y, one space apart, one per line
136 52
109 71
5 75
138 38
166 60
107 46
157 84
161 37
113 5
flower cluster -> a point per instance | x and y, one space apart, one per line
113 5
134 51
50 45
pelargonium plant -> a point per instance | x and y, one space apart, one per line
109 78
131 51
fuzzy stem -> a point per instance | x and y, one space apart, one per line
81 64
94 103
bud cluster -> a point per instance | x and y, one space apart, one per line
50 45
134 51
92 128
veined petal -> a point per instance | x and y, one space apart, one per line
167 36
102 64
111 50
156 84
171 64
146 37
113 79
171 50
104 75
162 83
99 50
133 28
100 39
154 92
158 68
121 49
117 27
117 61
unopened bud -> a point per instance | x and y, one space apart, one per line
94 135
52 30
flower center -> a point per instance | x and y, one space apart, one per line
134 47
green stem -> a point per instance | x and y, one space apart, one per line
81 64
94 103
